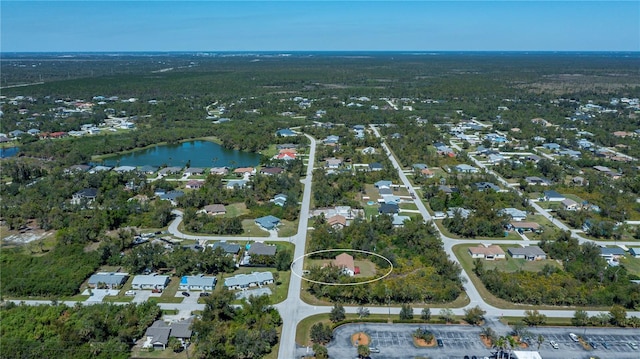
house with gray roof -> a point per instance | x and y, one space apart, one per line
172 196
465 168
388 208
376 166
382 184
553 196
243 281
123 169
279 199
158 334
169 170
463 212
148 169
235 184
537 181
259 248
610 253
150 281
268 222
530 253
194 171
514 213
483 186
398 221
86 195
108 280
228 248
197 282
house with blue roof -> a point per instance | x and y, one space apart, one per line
268 222
197 282
279 199
286 132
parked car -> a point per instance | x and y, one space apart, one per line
205 294
605 345
574 337
633 345
186 294
554 345
374 350
440 343
593 345
130 293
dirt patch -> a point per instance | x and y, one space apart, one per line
24 235
423 343
521 344
486 341
360 338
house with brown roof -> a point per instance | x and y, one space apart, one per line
488 252
427 173
270 171
337 221
525 226
195 184
215 209
245 171
346 263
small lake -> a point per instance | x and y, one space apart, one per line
8 152
200 153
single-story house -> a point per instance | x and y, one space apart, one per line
261 249
194 171
463 212
570 205
268 222
465 168
388 208
537 181
635 252
227 248
87 194
109 280
375 166
158 334
331 140
524 226
197 282
169 170
427 173
488 252
530 253
368 151
551 146
220 171
483 186
514 213
215 209
286 132
270 171
78 168
398 221
383 184
345 262
243 281
150 281
244 171
610 253
148 169
337 221
195 184
420 166
553 196
123 169
286 156
333 163
279 199
172 196
234 184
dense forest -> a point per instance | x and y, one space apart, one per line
586 280
422 273
104 331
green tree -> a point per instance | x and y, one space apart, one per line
580 318
363 351
406 312
534 318
363 312
425 314
283 260
320 333
337 313
474 315
320 351
540 340
446 314
618 315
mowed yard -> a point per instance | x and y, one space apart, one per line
367 268
507 265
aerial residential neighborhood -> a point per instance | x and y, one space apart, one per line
271 205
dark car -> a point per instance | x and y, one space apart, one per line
186 294
605 345
593 345
205 294
466 357
440 343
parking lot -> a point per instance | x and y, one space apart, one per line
395 341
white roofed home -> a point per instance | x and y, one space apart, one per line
151 281
197 282
243 281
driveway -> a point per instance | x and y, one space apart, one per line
141 296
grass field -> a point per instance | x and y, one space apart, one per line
235 210
631 264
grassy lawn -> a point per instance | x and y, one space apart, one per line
511 236
287 228
410 206
631 264
370 211
118 298
138 352
269 151
235 210
367 268
467 265
251 229
169 294
506 265
372 192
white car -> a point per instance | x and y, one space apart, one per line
554 345
130 293
574 337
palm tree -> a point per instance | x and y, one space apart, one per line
501 343
540 340
511 341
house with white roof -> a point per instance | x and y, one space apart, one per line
244 281
150 281
197 282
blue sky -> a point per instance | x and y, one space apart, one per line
319 25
